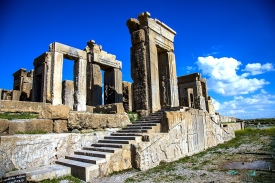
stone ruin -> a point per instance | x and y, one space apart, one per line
86 89
153 64
179 118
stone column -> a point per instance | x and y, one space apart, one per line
153 76
112 86
57 78
173 80
68 93
80 84
94 85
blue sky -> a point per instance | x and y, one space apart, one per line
231 42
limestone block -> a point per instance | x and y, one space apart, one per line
60 126
82 120
31 151
138 36
16 95
127 96
4 124
90 109
55 112
116 108
68 93
21 106
30 125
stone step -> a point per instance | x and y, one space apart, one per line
86 159
132 131
113 141
143 124
103 149
126 134
99 154
108 145
141 127
38 174
84 171
123 137
147 121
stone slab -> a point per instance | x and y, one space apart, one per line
42 173
31 125
55 112
4 125
60 126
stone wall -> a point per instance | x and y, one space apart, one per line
190 132
26 151
20 106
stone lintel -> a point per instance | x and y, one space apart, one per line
22 72
189 78
68 51
106 61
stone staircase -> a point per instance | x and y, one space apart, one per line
84 163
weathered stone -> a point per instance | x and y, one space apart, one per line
190 132
115 108
90 109
152 48
60 126
68 93
4 125
96 121
127 96
112 86
16 95
94 85
20 106
31 125
30 151
55 112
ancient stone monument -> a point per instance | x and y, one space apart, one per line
87 76
193 91
153 65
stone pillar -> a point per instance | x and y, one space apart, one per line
0 94
153 77
80 84
68 93
94 85
139 72
127 96
57 78
173 80
112 86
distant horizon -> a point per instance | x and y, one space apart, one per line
231 43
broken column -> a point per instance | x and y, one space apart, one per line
68 93
127 96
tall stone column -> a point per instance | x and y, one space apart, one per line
112 86
94 85
80 84
153 76
57 65
173 80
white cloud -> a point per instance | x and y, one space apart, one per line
257 68
223 78
256 106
